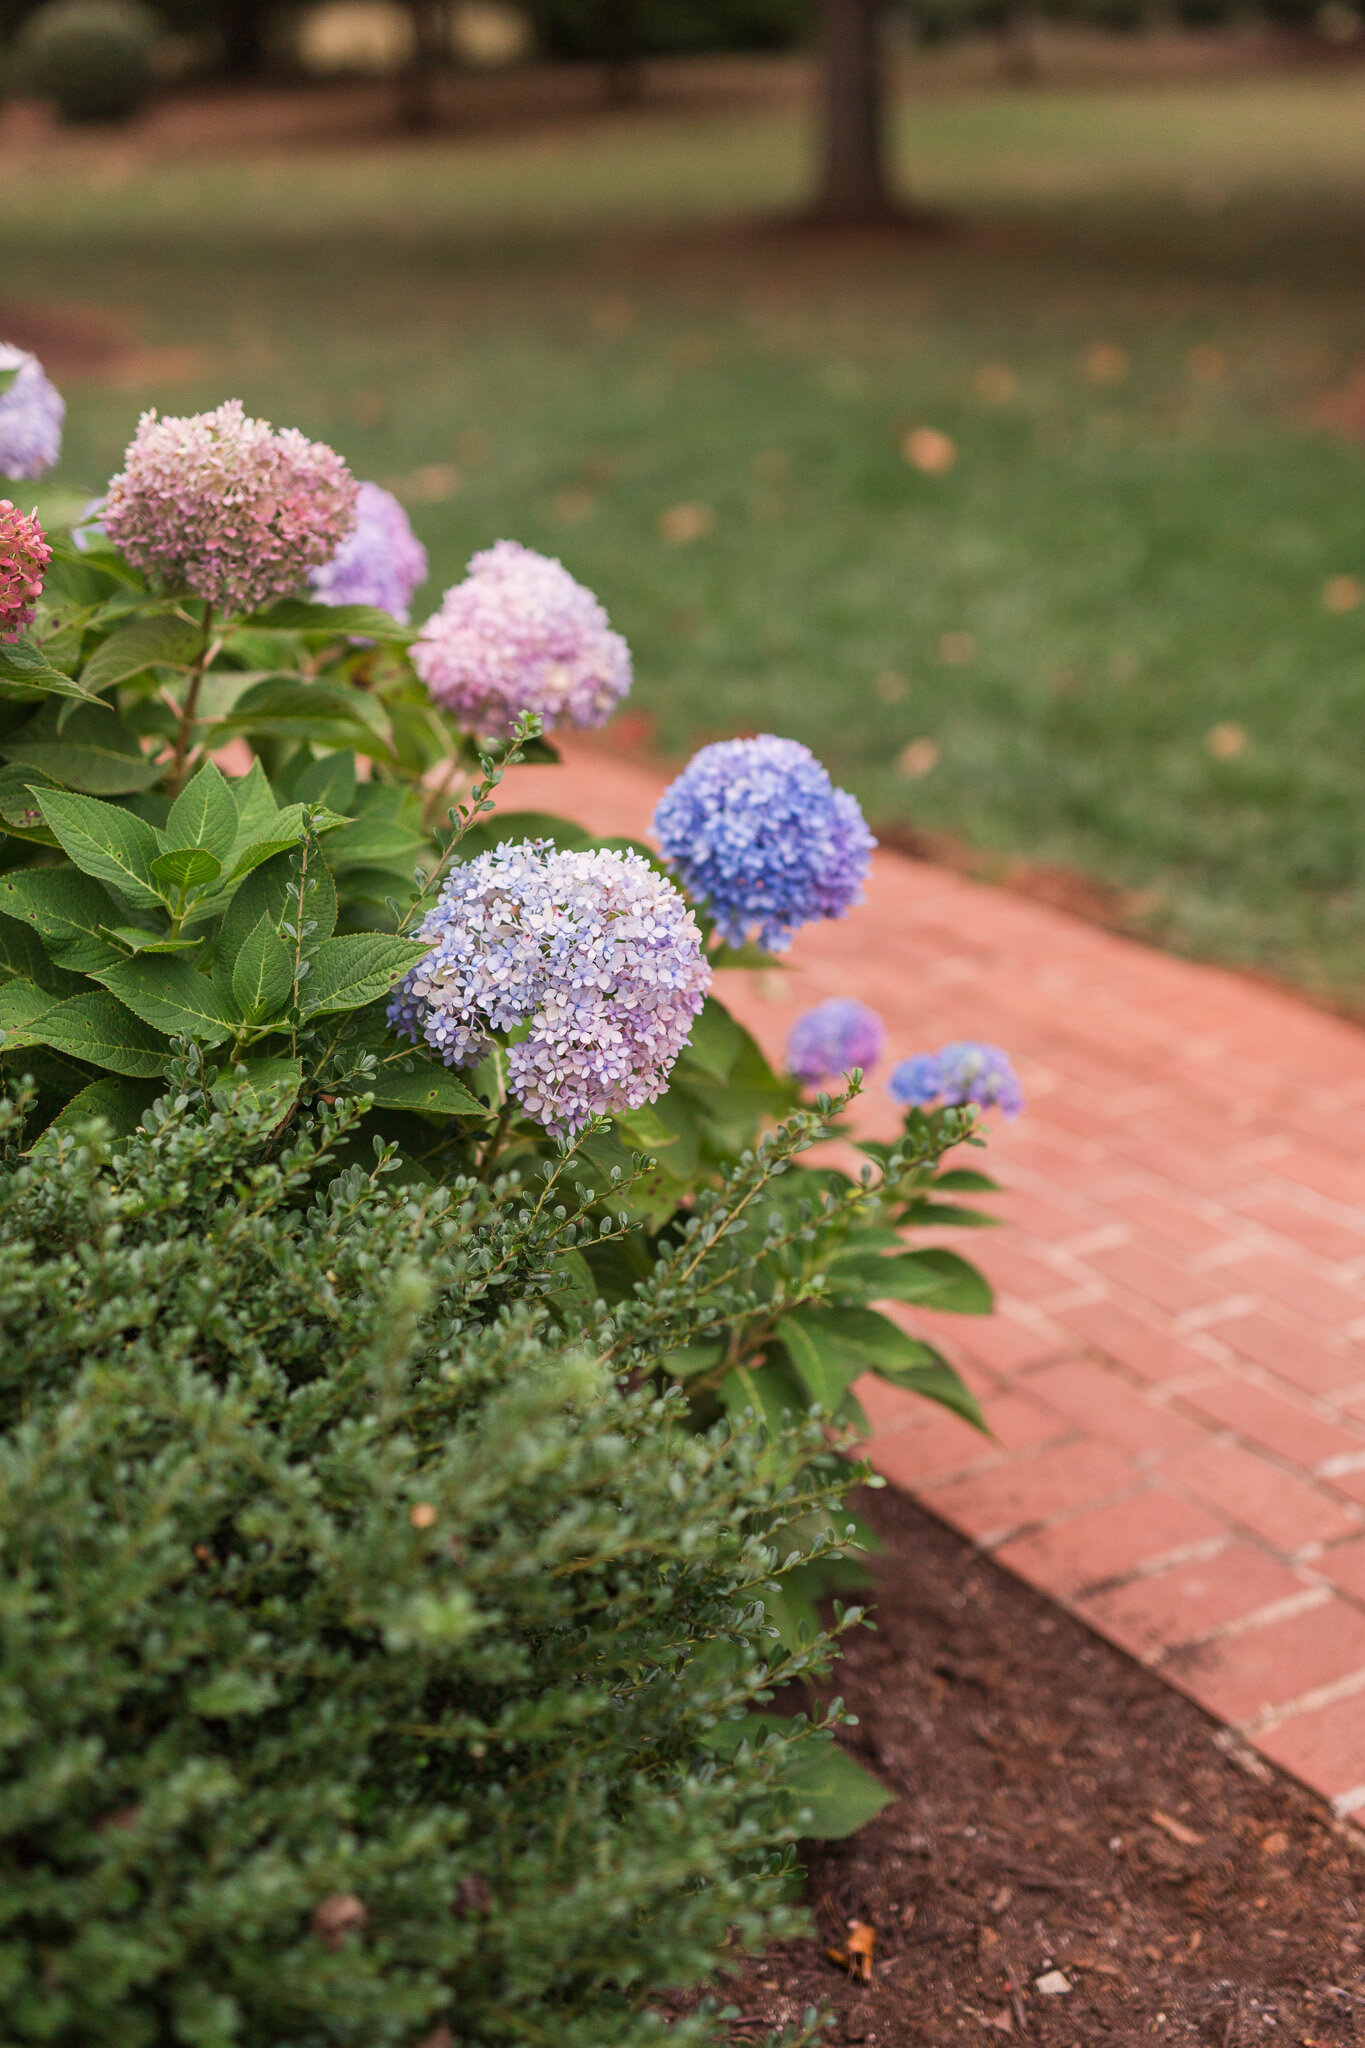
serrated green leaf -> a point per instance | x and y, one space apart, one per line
19 812
365 621
330 780
99 1029
256 804
203 815
263 973
429 1091
93 750
111 844
371 842
24 664
832 1347
162 641
135 939
188 867
171 997
291 708
23 957
837 1793
120 1101
773 1392
358 969
22 1003
933 1278
67 909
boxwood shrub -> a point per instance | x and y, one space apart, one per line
378 1653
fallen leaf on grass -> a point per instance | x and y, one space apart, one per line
1176 1829
682 524
857 1958
929 450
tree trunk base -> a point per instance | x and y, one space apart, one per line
891 217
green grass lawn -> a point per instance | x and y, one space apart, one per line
563 336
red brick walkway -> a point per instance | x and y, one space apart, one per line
1176 1374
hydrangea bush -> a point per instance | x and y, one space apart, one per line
347 918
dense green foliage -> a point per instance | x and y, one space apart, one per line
378 1643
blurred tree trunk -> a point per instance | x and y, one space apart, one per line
621 51
242 23
855 185
418 107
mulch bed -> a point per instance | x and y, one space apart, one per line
1063 1814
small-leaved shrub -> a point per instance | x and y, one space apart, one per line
379 1643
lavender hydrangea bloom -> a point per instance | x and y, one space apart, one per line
966 1071
31 415
519 634
596 952
381 563
834 1037
223 506
758 832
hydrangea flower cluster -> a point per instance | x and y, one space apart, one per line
223 506
758 832
966 1071
31 415
834 1037
24 555
596 952
381 563
519 634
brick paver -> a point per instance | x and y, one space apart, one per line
1176 1371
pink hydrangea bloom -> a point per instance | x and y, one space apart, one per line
223 506
24 555
519 634
381 563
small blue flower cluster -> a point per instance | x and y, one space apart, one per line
757 832
31 415
833 1038
966 1071
596 952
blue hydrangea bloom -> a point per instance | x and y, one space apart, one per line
381 561
916 1082
757 832
31 415
834 1037
966 1071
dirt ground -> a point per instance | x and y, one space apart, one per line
1078 1855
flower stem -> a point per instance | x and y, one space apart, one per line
191 703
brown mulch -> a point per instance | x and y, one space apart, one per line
1061 1811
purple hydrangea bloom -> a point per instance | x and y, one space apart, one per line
596 952
966 1071
834 1037
381 563
520 635
758 832
223 506
31 415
